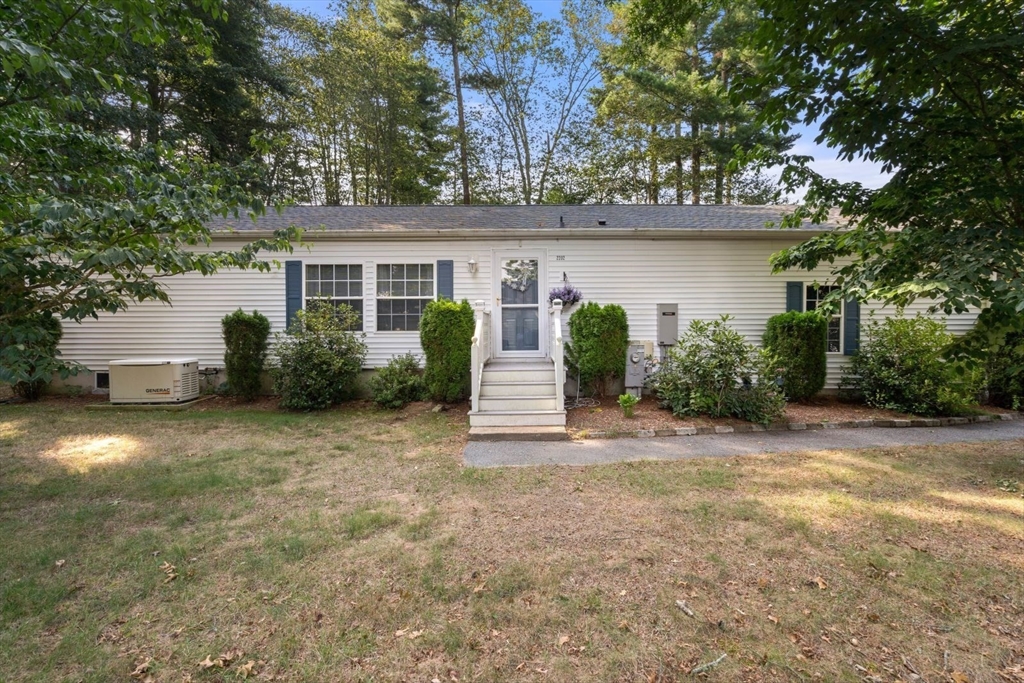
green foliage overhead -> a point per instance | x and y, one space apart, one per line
713 371
319 357
246 343
446 334
799 341
398 383
932 91
596 353
92 220
900 366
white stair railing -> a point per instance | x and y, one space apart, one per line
480 352
557 353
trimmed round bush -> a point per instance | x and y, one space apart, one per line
713 371
446 335
900 366
799 341
319 357
246 344
599 339
397 384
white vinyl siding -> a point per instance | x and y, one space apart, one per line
706 277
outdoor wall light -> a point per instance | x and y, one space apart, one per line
472 264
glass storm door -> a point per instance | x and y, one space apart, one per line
521 319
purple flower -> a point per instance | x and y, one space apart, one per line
567 293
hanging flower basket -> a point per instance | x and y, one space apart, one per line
568 294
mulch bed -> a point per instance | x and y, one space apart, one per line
607 417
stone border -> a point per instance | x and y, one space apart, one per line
797 426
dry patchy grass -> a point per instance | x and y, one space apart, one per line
351 545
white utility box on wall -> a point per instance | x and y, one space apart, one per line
154 380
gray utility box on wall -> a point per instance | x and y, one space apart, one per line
636 363
668 324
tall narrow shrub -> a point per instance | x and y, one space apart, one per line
799 341
446 333
599 339
246 340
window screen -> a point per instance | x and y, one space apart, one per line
815 295
339 284
403 290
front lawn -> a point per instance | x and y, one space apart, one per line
351 545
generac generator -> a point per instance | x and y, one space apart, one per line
154 380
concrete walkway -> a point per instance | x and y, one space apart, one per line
600 451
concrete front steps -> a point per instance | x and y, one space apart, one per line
518 402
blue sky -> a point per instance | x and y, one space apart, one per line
825 160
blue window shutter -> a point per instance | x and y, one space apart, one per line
851 327
446 280
795 296
292 290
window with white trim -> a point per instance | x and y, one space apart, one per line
337 283
403 291
812 299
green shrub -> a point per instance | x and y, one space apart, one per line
799 341
599 339
246 344
446 334
713 371
398 383
1005 370
319 357
28 355
900 367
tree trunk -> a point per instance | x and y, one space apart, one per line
463 142
719 169
695 159
654 186
679 165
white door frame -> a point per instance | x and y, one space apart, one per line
542 305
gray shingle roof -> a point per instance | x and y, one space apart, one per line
390 219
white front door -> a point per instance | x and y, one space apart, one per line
521 322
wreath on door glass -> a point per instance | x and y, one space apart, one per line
519 274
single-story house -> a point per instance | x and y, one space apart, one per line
387 262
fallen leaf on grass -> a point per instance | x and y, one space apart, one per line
401 632
563 640
772 618
142 669
415 634
210 663
959 677
245 670
820 582
61 563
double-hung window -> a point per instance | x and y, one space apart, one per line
339 284
403 291
814 296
